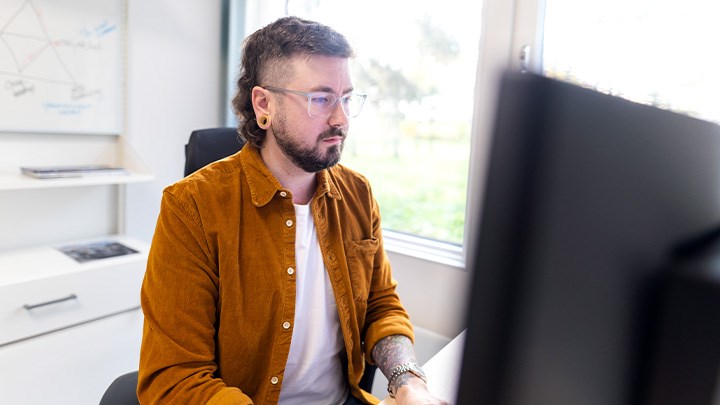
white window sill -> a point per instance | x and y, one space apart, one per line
425 249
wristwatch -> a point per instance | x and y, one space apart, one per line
410 367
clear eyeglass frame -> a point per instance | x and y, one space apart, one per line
321 104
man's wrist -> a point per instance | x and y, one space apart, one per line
398 376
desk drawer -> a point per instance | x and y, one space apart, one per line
35 307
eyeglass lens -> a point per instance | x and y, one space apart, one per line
323 104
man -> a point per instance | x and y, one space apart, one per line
267 280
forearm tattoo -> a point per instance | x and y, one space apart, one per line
392 351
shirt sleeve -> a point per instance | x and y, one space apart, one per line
178 297
386 315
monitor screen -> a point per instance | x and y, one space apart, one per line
586 197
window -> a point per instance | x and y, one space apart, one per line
417 61
661 53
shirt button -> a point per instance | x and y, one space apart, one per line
286 325
274 380
290 271
283 194
288 222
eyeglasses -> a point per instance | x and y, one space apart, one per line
321 104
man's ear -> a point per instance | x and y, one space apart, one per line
260 101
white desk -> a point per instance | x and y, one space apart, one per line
443 371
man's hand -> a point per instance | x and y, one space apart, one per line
414 391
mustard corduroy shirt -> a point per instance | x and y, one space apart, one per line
219 290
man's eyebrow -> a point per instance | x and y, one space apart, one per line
328 89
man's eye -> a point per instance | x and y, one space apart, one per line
320 99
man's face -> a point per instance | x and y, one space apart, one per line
312 143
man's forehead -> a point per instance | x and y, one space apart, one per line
321 72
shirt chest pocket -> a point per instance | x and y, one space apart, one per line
361 262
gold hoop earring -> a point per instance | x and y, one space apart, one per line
263 121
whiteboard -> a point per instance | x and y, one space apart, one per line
60 66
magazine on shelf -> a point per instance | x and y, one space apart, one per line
86 252
55 172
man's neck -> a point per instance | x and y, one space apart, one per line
300 183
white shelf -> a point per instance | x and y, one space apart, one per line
12 179
30 264
18 181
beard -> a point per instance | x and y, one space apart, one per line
310 159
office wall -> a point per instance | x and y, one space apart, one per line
175 85
433 293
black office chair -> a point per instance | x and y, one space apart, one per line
122 391
204 146
208 145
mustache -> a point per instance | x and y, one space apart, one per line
333 132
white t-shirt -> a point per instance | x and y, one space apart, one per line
314 371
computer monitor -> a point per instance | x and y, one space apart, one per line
586 199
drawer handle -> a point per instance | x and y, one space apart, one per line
57 301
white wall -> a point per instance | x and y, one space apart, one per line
434 294
175 85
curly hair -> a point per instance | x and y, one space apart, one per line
265 56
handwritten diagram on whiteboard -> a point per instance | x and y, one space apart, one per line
60 66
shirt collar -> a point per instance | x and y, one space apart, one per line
263 185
